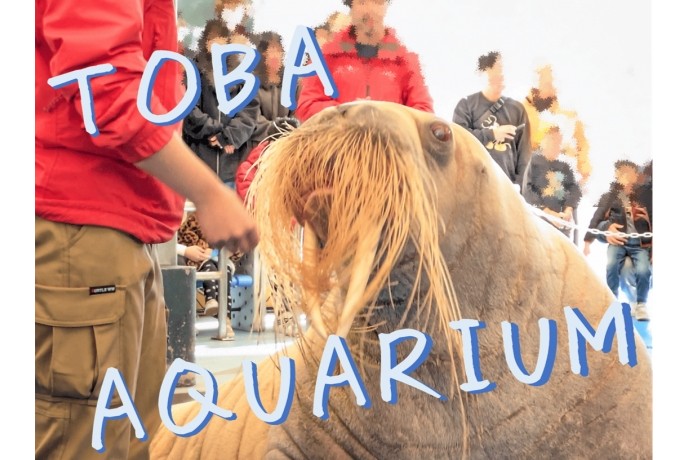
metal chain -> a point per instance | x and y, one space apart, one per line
594 231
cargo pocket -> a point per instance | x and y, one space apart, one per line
77 339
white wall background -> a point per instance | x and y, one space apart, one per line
600 51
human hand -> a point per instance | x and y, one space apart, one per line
504 132
616 240
213 142
197 254
641 212
226 222
229 149
586 250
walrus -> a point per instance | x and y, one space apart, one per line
409 224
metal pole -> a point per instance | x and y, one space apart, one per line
223 296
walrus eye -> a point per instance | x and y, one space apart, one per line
441 131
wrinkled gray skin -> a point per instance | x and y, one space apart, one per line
506 265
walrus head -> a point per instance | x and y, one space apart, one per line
370 182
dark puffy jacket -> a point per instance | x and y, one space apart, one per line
269 109
610 210
205 120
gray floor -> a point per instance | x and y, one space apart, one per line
224 358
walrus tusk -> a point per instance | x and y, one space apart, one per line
311 300
362 267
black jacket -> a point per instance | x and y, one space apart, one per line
205 120
610 210
512 156
551 184
269 109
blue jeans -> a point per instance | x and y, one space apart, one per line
641 267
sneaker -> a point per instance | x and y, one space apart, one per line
211 307
641 312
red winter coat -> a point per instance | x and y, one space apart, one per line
394 75
246 170
82 179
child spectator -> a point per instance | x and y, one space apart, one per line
550 183
624 208
194 251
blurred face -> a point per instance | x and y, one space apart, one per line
546 87
627 176
215 39
240 39
495 74
274 57
551 145
367 16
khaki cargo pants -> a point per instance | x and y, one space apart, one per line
81 332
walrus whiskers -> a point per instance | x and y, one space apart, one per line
372 179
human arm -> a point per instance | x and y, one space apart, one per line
584 165
523 146
586 250
199 125
572 189
312 99
600 217
415 92
246 170
530 188
238 130
219 210
197 253
64 43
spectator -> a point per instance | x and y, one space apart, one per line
499 122
99 301
644 193
550 183
367 61
270 73
193 250
219 140
624 208
543 108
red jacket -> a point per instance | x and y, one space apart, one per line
246 170
394 75
82 179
